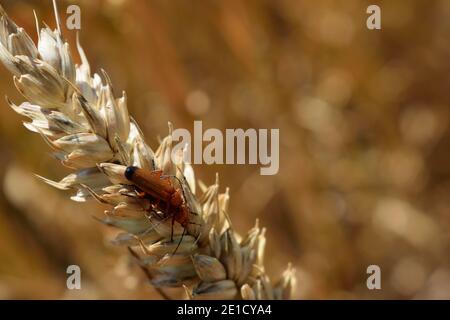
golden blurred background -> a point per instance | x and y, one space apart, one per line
364 140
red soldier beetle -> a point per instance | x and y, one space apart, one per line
159 188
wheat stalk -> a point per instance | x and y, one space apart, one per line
91 132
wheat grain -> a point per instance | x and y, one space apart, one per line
91 132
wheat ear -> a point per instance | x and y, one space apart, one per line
91 132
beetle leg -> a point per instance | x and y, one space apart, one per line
171 232
140 193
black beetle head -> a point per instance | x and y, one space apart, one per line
129 172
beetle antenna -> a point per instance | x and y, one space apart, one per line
179 242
